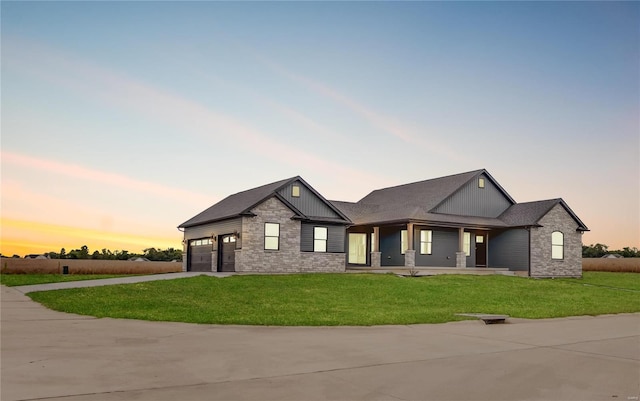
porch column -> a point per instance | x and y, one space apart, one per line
461 257
410 253
376 256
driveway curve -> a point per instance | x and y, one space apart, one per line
57 356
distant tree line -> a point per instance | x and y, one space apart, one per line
152 254
599 250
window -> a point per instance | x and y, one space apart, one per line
228 239
467 244
426 239
320 239
357 249
404 242
199 242
272 236
557 245
480 182
295 191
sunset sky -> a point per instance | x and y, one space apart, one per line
121 120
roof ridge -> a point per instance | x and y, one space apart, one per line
430 179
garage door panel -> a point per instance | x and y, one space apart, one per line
200 258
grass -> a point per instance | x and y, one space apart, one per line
346 299
12 280
630 281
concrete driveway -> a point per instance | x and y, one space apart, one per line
52 355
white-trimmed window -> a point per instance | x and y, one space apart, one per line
272 236
320 235
467 244
557 245
426 241
295 191
404 241
481 182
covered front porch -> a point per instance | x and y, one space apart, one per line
424 247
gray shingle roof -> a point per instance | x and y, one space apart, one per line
427 194
529 213
236 204
415 201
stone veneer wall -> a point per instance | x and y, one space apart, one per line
557 219
288 259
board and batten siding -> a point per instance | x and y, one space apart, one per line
307 203
444 246
509 249
335 237
471 200
217 228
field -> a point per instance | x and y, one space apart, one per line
85 266
611 265
349 299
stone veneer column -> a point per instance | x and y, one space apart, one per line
461 259
376 259
410 258
214 261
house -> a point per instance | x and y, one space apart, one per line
36 256
612 256
458 221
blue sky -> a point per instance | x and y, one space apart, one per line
124 119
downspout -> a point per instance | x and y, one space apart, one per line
529 246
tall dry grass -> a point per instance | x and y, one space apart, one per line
631 265
81 266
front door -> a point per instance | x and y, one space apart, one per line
228 254
481 251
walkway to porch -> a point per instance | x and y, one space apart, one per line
432 271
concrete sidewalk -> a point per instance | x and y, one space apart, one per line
111 281
53 355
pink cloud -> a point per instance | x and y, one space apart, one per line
102 177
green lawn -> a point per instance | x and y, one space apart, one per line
629 281
12 280
345 299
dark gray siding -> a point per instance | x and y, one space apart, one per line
217 228
509 249
335 237
443 249
307 203
473 201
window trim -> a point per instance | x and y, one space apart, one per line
295 191
428 242
324 240
271 236
466 243
404 241
555 246
481 182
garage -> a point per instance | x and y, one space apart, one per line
199 259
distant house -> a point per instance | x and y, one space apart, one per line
138 259
36 256
612 256
459 221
